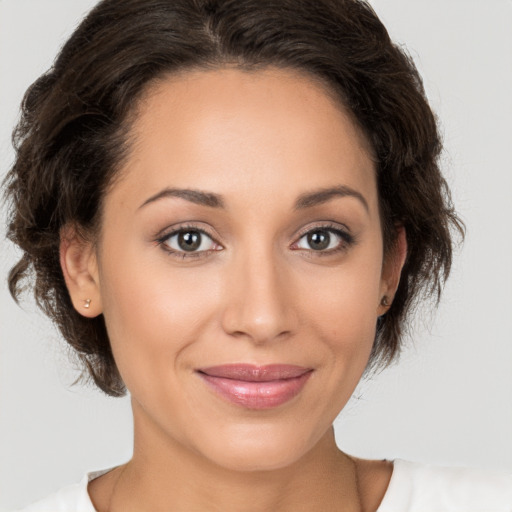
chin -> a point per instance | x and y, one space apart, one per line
257 460
263 449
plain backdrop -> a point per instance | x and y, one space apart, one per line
448 401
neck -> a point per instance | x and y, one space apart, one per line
165 475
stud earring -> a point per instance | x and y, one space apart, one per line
87 303
385 301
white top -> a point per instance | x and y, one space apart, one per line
413 488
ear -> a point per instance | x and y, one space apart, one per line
79 265
391 270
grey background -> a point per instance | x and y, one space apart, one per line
448 401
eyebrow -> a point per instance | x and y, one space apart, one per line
321 196
194 196
306 200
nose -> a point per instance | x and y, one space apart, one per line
259 300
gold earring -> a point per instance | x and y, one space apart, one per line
87 303
385 301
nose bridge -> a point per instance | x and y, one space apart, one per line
258 305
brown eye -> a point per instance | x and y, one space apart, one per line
189 240
324 240
319 240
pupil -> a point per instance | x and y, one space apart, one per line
319 240
189 240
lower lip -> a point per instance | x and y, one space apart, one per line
257 395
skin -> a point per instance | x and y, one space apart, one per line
258 293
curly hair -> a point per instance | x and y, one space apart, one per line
74 133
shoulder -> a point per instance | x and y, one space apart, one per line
418 487
72 498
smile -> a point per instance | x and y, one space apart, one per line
256 387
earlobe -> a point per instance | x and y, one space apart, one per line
391 271
79 266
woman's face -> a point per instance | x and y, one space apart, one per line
243 232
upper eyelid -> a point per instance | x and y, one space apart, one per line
171 231
328 225
178 231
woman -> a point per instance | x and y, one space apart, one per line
231 208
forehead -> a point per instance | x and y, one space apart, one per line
223 130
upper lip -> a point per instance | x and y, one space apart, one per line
255 373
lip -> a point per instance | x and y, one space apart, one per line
256 387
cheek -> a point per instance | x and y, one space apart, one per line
343 302
155 313
343 316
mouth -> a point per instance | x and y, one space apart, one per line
256 387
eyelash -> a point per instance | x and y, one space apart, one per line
161 240
346 240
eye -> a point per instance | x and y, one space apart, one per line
186 242
325 240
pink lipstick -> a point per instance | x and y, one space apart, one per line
256 387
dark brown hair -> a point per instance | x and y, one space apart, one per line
73 134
